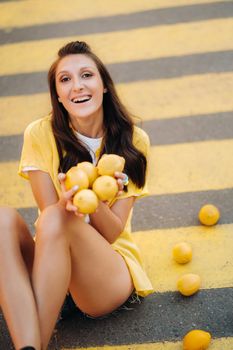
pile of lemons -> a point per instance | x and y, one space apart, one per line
189 283
94 182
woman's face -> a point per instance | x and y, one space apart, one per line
79 87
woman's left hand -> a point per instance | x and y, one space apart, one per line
122 180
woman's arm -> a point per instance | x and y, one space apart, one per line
110 222
42 188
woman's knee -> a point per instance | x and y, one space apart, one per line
10 226
51 223
9 219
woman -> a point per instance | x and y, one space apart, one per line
95 260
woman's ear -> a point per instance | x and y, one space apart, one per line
105 90
58 98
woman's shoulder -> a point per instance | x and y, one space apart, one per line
39 127
141 139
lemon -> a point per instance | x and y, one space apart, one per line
196 340
75 176
86 201
90 170
189 284
182 253
209 215
110 163
105 187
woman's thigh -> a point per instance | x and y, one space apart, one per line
100 279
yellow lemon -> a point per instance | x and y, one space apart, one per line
90 170
209 215
109 163
105 187
75 176
196 340
182 253
189 284
86 201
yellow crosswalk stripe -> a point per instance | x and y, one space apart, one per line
14 14
212 257
18 111
168 98
187 168
177 97
200 168
216 344
14 192
130 45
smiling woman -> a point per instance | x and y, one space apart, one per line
95 258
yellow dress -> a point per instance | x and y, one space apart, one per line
40 152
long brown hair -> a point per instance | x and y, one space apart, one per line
118 125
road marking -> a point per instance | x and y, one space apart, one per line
18 111
212 257
218 126
191 167
215 126
180 209
167 211
15 14
177 97
200 168
150 69
156 99
216 344
131 45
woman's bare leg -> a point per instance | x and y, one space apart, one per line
52 269
71 254
16 295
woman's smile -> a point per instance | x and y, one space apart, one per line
81 99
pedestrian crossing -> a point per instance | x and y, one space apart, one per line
131 45
196 169
175 98
172 63
12 13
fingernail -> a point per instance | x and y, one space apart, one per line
75 188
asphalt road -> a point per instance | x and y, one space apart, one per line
172 62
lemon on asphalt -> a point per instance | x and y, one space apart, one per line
209 215
188 284
196 340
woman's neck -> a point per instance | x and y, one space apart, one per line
88 128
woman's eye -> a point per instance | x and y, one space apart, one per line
86 75
64 79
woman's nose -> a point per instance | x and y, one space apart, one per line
77 84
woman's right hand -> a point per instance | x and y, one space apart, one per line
66 198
